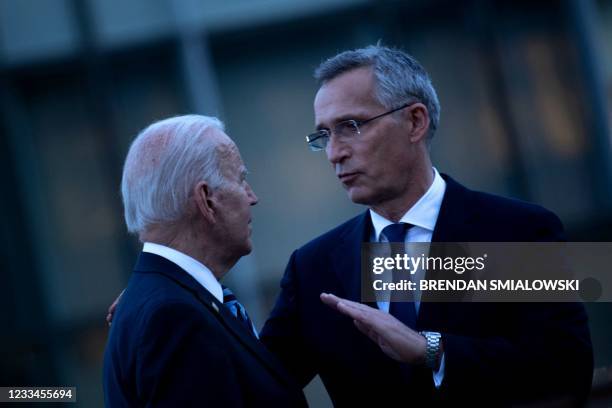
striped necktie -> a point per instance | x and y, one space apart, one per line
239 312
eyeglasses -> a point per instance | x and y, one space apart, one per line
317 141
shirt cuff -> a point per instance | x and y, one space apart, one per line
438 375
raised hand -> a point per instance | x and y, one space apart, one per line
394 338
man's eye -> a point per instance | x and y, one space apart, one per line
346 128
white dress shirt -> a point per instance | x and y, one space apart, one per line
196 269
423 215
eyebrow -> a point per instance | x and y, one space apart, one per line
340 119
343 118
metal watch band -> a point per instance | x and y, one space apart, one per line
433 348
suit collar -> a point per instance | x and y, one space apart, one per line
152 263
200 272
456 213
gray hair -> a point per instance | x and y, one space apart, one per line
399 77
164 163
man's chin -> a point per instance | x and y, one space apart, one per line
248 248
359 196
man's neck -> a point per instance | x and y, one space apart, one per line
213 257
394 210
204 252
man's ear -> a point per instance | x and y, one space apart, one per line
204 200
418 118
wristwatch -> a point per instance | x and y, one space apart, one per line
432 352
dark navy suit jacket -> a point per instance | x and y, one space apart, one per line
173 344
502 353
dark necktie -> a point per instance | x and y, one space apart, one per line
236 308
404 311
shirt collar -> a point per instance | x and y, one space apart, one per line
423 214
196 269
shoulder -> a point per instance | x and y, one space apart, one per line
531 221
174 314
173 319
511 208
153 301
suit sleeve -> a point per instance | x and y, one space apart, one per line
545 353
282 332
181 361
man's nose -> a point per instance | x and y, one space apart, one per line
252 197
336 151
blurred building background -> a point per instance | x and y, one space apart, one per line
525 89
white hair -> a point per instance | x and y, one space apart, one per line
165 161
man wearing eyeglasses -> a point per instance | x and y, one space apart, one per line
376 113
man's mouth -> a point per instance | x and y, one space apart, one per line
348 176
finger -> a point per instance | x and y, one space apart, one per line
367 312
371 327
113 306
355 305
334 301
350 311
364 313
330 300
373 318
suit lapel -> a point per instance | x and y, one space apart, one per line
453 225
247 338
346 257
151 263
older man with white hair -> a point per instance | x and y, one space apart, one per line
179 338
